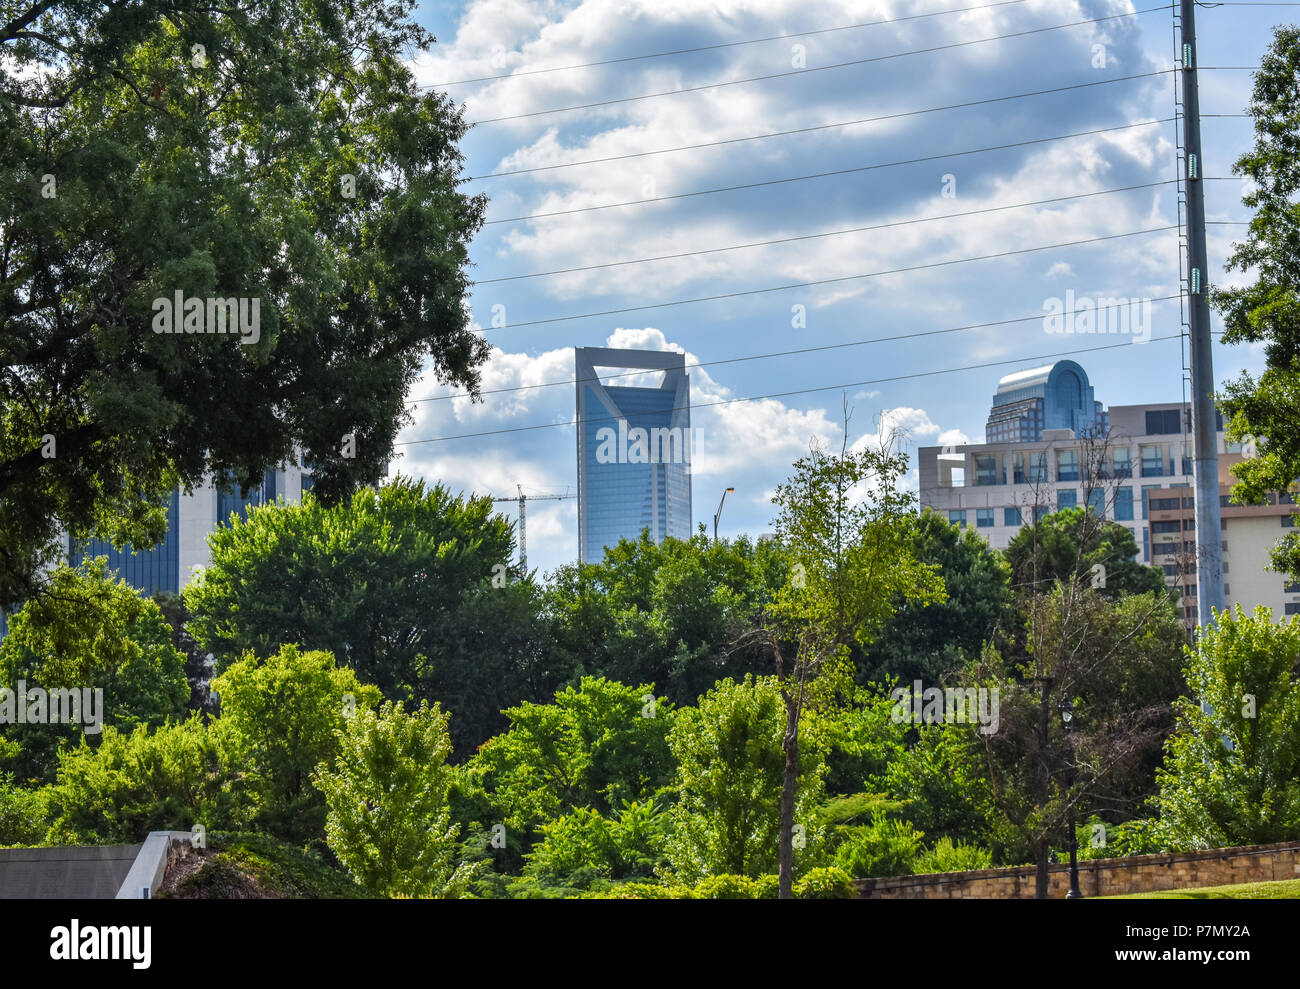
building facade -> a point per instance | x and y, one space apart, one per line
1132 465
634 448
1057 396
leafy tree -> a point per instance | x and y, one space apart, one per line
168 779
92 631
1267 310
389 821
1065 545
378 580
730 781
928 640
279 720
885 847
946 856
281 152
943 781
23 813
1232 770
665 613
598 745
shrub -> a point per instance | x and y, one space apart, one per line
946 856
882 848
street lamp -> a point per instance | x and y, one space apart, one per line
718 514
1067 720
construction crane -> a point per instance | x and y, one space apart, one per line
523 500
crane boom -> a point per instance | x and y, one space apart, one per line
523 499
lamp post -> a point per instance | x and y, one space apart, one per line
1067 720
718 514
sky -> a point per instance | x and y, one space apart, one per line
887 124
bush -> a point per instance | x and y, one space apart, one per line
22 814
826 884
946 856
882 848
1135 837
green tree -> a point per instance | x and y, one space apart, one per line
93 631
1266 311
928 640
599 744
23 813
1232 769
379 580
279 720
389 821
585 850
282 152
730 781
168 779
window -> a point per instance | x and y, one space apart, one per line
1066 499
1293 588
1164 504
983 518
1037 468
1189 525
1285 499
1153 461
1225 501
1293 608
1018 469
1171 526
1163 422
1123 504
957 517
1097 501
1122 463
986 469
1067 465
1288 522
1011 516
1146 497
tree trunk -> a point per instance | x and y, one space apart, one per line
786 840
1044 786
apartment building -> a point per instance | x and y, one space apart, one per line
1131 464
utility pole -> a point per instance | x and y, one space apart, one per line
522 499
1205 468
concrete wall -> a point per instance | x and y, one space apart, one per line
1101 877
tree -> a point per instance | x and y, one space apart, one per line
279 720
378 580
848 527
278 153
90 630
1232 770
389 821
1066 545
730 782
1267 310
167 779
599 744
927 641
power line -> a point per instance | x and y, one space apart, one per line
796 391
828 281
917 334
838 171
816 68
726 44
828 233
819 127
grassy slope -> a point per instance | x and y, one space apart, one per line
1286 889
243 866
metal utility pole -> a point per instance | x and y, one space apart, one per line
718 514
523 499
1205 469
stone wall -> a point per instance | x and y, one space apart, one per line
1101 877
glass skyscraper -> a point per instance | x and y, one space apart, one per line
634 448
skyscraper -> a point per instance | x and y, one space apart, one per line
634 448
1057 396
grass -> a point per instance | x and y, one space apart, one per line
1284 889
239 865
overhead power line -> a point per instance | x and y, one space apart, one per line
827 233
838 171
795 391
829 281
820 127
725 44
913 335
816 68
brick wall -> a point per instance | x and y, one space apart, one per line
1101 877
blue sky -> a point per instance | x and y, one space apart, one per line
751 444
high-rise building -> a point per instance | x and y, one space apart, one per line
1134 467
1057 396
634 447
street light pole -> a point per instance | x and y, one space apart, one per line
1067 719
718 514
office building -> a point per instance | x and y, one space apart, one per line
634 447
